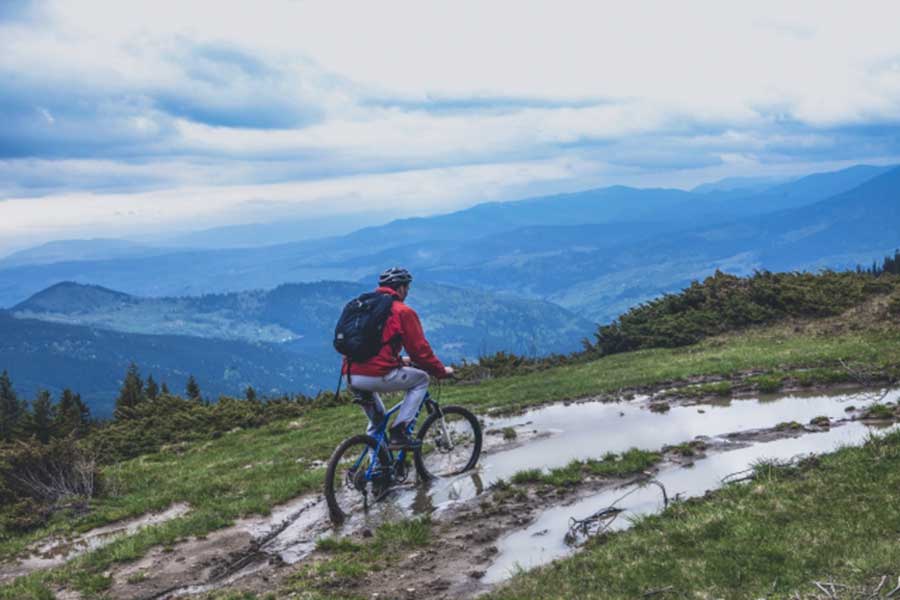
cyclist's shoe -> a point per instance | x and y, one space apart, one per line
400 440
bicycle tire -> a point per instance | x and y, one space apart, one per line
335 511
421 469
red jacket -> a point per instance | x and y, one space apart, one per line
401 330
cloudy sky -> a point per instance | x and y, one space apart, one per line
126 118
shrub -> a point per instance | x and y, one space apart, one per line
726 302
37 479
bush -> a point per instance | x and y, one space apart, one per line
37 479
725 302
168 421
893 307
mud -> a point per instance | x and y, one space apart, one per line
480 527
478 542
56 551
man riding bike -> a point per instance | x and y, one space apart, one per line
388 372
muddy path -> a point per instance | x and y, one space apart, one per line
57 550
482 530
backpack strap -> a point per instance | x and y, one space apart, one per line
337 391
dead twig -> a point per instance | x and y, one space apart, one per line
601 520
895 590
661 590
880 585
824 591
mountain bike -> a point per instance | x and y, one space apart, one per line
363 470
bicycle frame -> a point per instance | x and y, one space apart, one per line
380 436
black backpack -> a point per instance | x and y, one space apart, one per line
357 334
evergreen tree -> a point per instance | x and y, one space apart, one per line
72 415
130 395
250 393
84 413
11 410
151 388
192 389
165 389
42 417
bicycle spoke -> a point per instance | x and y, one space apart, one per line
357 480
449 445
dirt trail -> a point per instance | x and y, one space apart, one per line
57 551
473 522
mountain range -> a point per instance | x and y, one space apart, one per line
494 234
531 276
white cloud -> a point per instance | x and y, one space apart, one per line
119 113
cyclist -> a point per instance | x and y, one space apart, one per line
388 372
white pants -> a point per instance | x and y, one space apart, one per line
366 388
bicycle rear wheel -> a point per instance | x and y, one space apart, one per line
348 489
451 443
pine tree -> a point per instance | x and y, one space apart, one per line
192 389
250 393
81 415
151 389
165 389
42 416
11 410
130 395
72 415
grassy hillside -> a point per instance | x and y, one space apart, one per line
227 463
209 475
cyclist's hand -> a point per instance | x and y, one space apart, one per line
449 371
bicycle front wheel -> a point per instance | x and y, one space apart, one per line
451 443
354 479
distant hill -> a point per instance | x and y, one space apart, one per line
850 228
746 185
76 250
53 356
461 323
84 336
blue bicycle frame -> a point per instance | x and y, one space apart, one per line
380 435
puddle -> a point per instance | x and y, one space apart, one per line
553 436
544 539
590 430
57 551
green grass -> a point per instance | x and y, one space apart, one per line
702 390
250 471
349 560
880 412
612 465
837 521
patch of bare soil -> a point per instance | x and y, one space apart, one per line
56 551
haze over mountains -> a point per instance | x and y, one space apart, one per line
530 276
